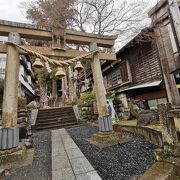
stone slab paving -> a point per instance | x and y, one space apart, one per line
68 162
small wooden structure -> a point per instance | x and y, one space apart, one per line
137 73
166 35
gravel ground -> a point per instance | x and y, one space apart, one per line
119 162
41 167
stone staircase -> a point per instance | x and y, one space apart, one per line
54 118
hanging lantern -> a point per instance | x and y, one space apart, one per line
38 64
60 73
79 66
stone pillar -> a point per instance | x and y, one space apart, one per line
124 100
54 88
75 75
70 84
169 134
64 90
9 133
105 123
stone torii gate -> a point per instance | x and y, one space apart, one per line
9 134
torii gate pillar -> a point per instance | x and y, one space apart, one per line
9 133
105 123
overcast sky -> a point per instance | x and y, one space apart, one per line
9 10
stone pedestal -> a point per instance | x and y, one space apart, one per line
13 157
105 139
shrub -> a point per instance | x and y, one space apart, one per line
86 99
22 102
110 95
71 103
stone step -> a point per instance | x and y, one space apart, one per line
56 112
55 122
59 114
56 109
63 125
55 118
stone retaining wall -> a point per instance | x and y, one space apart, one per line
87 112
153 136
21 133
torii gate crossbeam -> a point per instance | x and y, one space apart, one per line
43 33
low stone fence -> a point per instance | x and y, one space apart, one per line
153 136
87 112
22 113
24 127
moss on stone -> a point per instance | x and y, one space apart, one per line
105 139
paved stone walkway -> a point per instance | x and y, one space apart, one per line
68 162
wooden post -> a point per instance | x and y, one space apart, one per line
166 57
9 132
105 123
175 12
168 126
